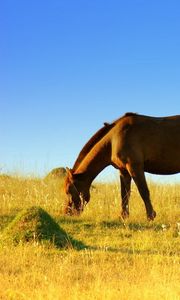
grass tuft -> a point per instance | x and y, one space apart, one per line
35 224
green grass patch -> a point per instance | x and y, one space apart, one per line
35 225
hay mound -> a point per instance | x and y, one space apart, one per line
57 173
35 225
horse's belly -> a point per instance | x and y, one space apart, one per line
162 168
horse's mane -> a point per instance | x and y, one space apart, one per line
95 139
90 144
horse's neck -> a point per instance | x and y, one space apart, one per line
96 160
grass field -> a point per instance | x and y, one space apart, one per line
134 260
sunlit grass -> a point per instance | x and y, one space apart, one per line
135 259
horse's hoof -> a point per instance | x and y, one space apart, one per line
151 216
124 214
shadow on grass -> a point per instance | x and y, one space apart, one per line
112 224
77 245
68 226
147 226
135 226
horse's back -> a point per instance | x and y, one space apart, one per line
154 141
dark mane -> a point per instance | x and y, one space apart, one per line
90 144
128 114
96 138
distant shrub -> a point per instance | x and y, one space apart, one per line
57 173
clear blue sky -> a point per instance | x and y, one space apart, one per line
67 66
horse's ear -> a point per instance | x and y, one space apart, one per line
69 172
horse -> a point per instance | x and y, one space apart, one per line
133 144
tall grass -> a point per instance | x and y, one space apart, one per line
134 259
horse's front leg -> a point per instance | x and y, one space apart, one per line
125 180
138 176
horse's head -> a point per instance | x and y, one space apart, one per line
77 193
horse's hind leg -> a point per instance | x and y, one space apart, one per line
137 173
125 180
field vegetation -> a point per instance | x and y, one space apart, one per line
113 259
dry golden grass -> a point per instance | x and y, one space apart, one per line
119 260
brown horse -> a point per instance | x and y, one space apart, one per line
134 144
